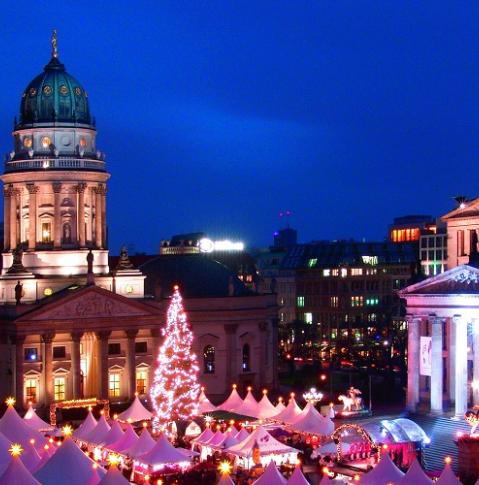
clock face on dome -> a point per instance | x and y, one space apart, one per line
27 142
47 90
77 91
32 92
63 90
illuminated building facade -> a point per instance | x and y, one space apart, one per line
72 325
410 228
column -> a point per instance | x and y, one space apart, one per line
98 223
18 341
452 358
32 216
231 367
57 230
6 218
103 217
131 361
436 370
475 362
75 365
413 335
81 215
103 363
13 218
47 339
461 365
262 327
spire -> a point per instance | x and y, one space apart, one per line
54 44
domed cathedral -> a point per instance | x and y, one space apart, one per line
71 327
55 186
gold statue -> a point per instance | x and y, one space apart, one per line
54 43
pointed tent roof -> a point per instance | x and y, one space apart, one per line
30 458
35 422
297 478
99 431
114 434
205 405
447 477
249 407
17 474
205 436
384 472
313 422
68 465
280 407
129 438
113 477
271 476
217 438
415 475
241 435
144 444
5 456
136 412
234 401
291 412
265 407
228 441
261 439
17 430
162 453
86 427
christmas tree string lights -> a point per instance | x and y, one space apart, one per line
175 390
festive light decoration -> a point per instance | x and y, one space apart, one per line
78 403
225 467
447 460
114 459
15 449
10 401
67 430
175 389
337 438
312 396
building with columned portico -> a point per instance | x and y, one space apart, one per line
73 327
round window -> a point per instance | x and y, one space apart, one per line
82 142
27 142
46 141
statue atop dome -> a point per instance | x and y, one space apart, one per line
54 44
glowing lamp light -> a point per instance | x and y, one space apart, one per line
145 424
32 441
102 412
249 388
356 478
292 395
280 399
176 287
385 447
202 388
234 386
89 408
94 466
325 470
130 420
265 391
224 467
147 478
67 430
10 401
15 449
298 462
232 421
113 459
447 460
46 447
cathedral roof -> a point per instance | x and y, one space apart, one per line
54 96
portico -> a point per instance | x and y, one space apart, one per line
443 341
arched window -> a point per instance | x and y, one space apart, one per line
67 233
209 359
246 358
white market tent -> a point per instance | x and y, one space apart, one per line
297 478
280 407
86 427
271 476
113 477
216 439
242 435
234 401
30 458
265 408
136 412
129 438
249 407
17 474
312 422
447 477
5 456
17 430
384 472
291 412
228 441
99 432
35 422
113 435
262 442
163 452
68 465
415 475
203 437
144 444
205 405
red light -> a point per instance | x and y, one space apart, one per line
322 377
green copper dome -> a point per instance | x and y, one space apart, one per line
54 97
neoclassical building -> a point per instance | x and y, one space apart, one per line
443 323
71 325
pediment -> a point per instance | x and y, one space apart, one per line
89 302
470 209
462 279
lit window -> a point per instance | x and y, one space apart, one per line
344 272
312 262
46 142
300 301
30 354
114 385
27 142
308 318
281 317
335 272
141 381
356 271
31 390
59 388
47 292
246 358
46 232
82 142
334 301
209 359
326 272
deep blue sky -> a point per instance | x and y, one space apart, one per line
216 115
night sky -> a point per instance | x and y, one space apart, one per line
216 115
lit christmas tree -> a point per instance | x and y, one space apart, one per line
175 389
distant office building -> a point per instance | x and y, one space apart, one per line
409 228
433 249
